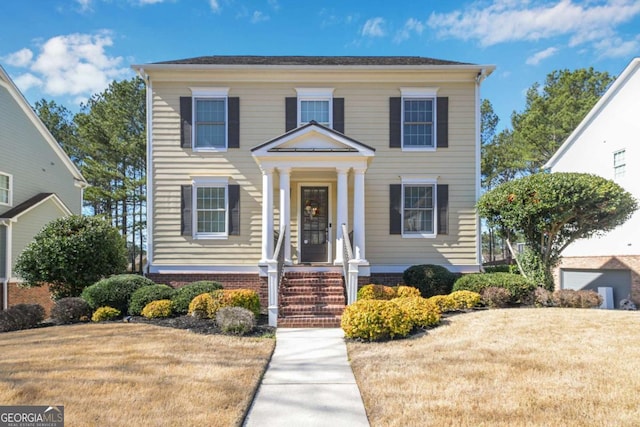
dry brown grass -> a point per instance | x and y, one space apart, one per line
515 367
132 374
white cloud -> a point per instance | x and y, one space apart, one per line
537 57
258 17
27 81
21 58
374 28
274 4
517 20
215 6
615 47
85 5
412 25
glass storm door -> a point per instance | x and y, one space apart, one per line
315 224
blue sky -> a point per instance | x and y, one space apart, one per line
66 50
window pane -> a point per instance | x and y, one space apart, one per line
210 135
210 207
418 209
211 222
418 123
314 110
4 189
210 123
210 110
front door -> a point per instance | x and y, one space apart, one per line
315 224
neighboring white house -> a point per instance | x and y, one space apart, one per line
607 143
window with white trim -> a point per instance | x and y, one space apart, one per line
419 209
315 104
5 189
419 118
210 118
619 164
210 208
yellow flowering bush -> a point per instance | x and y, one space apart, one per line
245 298
156 309
443 302
206 305
377 292
406 291
375 320
422 312
464 300
105 313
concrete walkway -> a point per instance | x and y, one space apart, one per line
308 382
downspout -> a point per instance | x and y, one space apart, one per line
8 259
482 74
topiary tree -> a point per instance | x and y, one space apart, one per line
552 210
71 253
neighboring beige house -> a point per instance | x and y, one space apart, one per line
605 143
243 149
38 183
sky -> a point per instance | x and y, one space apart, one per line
67 50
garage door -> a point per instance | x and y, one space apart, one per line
577 279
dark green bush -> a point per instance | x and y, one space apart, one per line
430 279
114 291
70 310
21 316
235 320
519 287
146 294
501 268
183 296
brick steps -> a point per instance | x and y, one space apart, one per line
311 300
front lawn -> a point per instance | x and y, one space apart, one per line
512 367
133 374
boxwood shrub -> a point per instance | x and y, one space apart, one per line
379 292
146 294
518 286
430 279
103 314
182 296
158 309
375 320
114 291
422 312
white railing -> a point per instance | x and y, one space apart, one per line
349 267
275 271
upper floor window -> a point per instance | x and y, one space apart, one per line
315 104
210 118
419 118
619 164
5 189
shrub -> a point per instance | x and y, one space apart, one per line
495 297
518 286
183 296
114 291
542 297
105 313
406 291
443 302
429 279
146 294
206 305
235 320
70 310
21 316
157 309
500 268
576 299
379 292
375 320
245 298
590 299
422 312
464 300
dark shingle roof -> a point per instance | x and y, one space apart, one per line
25 206
313 60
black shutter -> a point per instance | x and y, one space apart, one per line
291 113
395 122
395 206
186 201
186 118
233 104
443 208
338 114
234 209
442 113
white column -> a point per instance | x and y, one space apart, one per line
358 214
285 211
267 214
342 216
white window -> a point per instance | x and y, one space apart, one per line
210 208
419 209
5 189
419 118
315 104
210 119
619 164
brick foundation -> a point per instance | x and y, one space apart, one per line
631 263
18 295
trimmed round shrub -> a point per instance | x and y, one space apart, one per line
464 300
375 320
429 279
406 291
518 286
245 298
422 312
182 296
146 294
495 297
21 316
576 299
103 314
379 292
114 291
157 309
443 302
70 310
206 305
235 320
